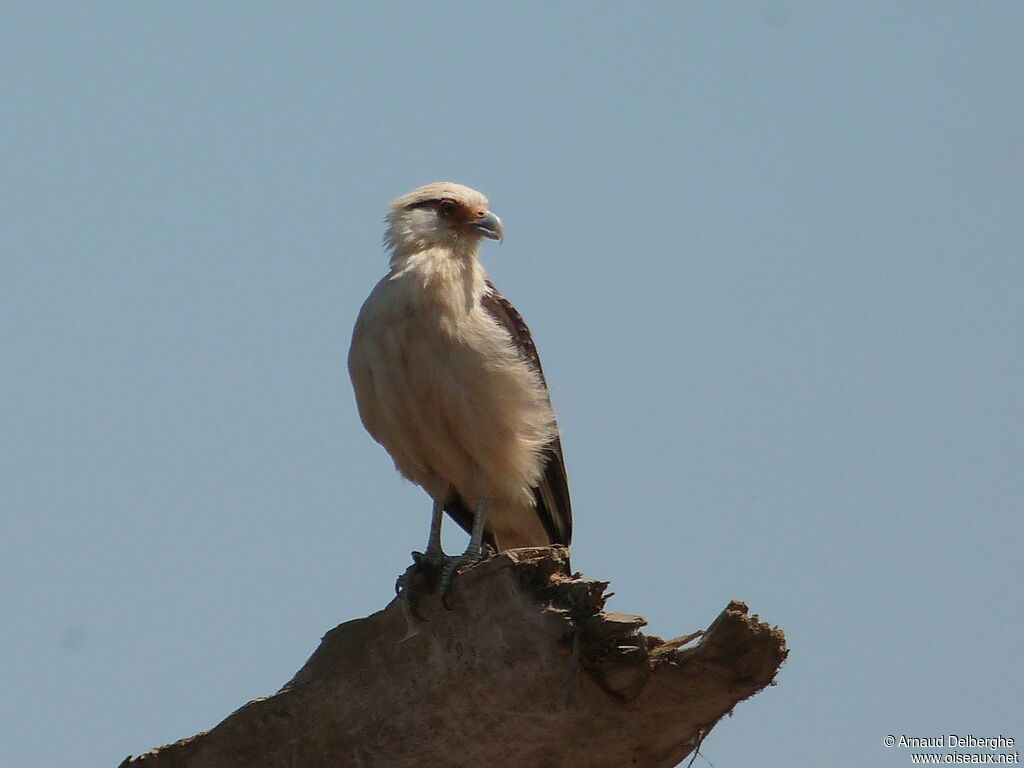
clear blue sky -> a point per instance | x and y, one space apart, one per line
771 253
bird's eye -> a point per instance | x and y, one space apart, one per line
447 208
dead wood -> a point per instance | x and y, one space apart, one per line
525 670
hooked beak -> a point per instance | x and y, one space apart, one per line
490 226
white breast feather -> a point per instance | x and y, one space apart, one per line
441 386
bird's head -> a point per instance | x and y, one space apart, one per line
440 215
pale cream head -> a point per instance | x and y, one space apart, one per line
440 215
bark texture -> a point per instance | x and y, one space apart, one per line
526 670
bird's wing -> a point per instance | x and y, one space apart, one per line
552 492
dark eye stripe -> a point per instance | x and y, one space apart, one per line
432 202
421 204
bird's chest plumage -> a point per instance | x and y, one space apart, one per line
440 385
436 342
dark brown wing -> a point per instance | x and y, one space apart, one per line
552 492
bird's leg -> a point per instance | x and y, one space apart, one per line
434 551
472 552
422 575
476 537
434 557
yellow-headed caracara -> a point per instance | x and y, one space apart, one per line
447 379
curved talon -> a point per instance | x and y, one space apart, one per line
446 577
412 600
451 567
405 588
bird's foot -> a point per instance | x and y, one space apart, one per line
424 572
422 577
431 572
452 565
450 568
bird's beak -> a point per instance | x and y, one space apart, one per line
490 226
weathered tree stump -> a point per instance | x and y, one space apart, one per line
525 670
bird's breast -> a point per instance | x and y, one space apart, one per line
442 388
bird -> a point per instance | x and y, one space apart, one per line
447 379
